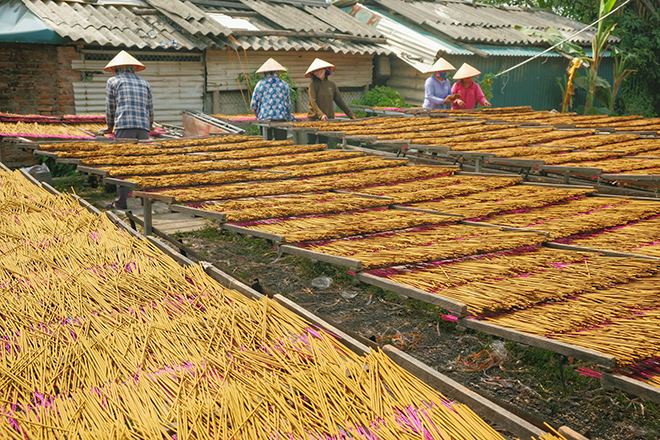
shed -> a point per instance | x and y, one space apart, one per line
482 35
52 52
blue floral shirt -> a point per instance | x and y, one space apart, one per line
272 98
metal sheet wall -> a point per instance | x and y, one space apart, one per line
224 67
175 85
534 83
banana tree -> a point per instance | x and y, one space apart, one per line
599 46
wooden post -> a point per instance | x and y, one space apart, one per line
216 101
146 201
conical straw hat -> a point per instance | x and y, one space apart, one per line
124 58
271 66
317 64
441 65
466 71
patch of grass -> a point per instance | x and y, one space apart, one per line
81 185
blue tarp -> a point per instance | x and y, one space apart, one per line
19 25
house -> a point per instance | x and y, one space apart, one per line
52 53
485 36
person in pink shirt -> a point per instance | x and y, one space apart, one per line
469 91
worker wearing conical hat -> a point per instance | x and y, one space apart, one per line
129 110
323 93
437 88
470 91
271 99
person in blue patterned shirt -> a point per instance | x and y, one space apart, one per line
129 110
271 99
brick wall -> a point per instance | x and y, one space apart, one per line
37 79
14 157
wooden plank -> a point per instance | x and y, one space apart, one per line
428 211
370 151
247 231
352 343
515 162
570 247
119 182
501 174
603 360
153 196
443 149
471 154
631 386
4 167
650 199
351 263
45 153
68 161
570 434
632 177
330 133
220 216
558 185
456 391
92 170
230 282
456 308
30 177
358 138
583 171
50 189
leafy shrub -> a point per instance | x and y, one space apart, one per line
383 96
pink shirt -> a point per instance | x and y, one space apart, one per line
470 96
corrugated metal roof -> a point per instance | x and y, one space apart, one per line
189 17
342 21
479 23
113 26
510 51
309 44
288 17
416 47
182 25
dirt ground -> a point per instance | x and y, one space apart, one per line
537 385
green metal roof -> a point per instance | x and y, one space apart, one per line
19 25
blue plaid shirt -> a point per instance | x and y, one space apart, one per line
272 98
128 102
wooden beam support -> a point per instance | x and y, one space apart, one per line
569 247
603 360
517 426
355 265
456 308
630 386
153 196
247 231
352 343
119 182
219 216
92 170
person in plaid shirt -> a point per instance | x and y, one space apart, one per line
129 110
271 99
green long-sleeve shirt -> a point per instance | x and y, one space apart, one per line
322 98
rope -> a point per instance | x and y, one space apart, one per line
565 39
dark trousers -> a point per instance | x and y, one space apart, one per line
276 134
316 139
127 133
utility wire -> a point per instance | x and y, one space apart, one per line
565 39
